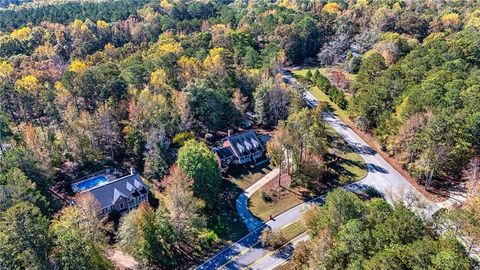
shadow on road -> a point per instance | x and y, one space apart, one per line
375 168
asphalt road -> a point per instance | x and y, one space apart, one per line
248 253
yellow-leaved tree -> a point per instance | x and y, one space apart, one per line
473 19
102 24
22 33
6 69
332 8
158 80
452 20
190 67
217 64
28 83
78 66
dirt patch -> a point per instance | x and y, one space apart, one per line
122 261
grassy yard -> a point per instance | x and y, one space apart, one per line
294 229
303 72
350 166
226 222
244 178
263 210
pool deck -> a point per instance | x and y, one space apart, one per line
110 174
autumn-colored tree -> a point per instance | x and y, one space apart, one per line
158 81
240 102
79 236
190 68
452 21
28 84
6 69
22 33
185 210
332 8
217 65
78 66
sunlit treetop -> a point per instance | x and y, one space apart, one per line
22 33
28 83
5 69
78 25
433 37
78 66
166 5
102 24
473 19
332 8
451 20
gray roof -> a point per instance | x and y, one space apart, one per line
224 152
129 186
245 143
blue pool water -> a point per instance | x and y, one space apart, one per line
92 182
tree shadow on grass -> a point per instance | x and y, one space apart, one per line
223 219
338 168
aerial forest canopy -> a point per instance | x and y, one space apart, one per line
86 85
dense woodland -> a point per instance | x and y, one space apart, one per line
90 85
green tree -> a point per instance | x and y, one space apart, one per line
15 187
24 237
24 160
373 65
210 109
80 236
401 227
199 163
340 206
348 233
140 236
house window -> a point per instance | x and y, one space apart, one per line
122 206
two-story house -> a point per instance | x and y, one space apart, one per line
241 148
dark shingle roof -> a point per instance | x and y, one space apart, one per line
125 186
245 143
224 152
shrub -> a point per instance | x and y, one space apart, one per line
207 238
272 239
182 137
266 197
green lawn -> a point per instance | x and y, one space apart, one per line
263 210
293 230
350 166
226 222
244 178
321 96
303 72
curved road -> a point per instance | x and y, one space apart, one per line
248 252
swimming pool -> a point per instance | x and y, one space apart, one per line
90 183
